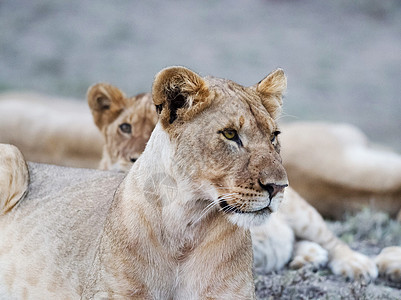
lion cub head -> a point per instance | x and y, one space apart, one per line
126 124
221 141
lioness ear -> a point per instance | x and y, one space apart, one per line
106 103
271 89
175 91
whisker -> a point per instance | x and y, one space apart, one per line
285 115
209 206
242 205
230 209
206 210
221 198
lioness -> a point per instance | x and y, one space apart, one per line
215 142
274 243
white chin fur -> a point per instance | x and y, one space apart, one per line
275 203
248 220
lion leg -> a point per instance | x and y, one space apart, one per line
14 177
308 224
389 263
272 244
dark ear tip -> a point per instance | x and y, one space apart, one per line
162 83
172 88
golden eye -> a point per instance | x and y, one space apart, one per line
229 134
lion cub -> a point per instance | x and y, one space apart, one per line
215 146
125 123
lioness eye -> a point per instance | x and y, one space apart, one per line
125 127
230 134
275 134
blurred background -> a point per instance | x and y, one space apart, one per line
342 58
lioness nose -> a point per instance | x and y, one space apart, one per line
272 188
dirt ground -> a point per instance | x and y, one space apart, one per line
377 231
310 284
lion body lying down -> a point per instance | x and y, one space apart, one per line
338 171
50 130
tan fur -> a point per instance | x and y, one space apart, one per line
273 91
111 109
14 177
167 217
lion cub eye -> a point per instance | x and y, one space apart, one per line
125 127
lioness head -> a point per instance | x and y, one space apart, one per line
126 124
222 140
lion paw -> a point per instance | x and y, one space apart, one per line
306 252
389 263
352 265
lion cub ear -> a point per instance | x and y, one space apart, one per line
271 89
106 103
178 93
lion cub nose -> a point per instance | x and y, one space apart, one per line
133 159
272 188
